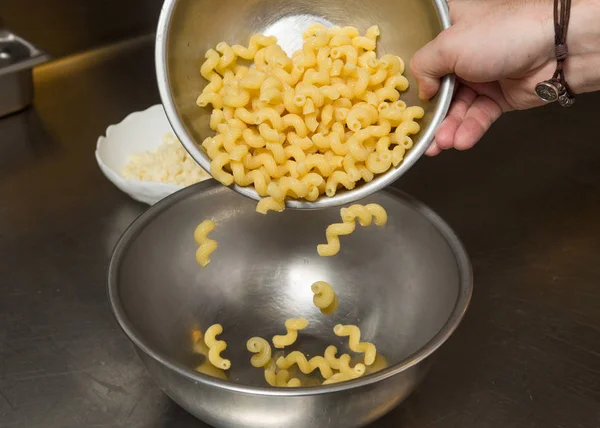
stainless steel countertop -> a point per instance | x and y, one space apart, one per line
526 203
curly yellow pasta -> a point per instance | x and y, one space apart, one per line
333 233
324 297
379 162
215 347
343 365
256 42
341 377
199 347
353 332
279 378
258 177
206 245
330 357
276 121
408 126
361 115
217 171
365 215
261 348
293 325
335 180
305 366
269 204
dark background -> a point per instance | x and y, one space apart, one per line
525 202
62 27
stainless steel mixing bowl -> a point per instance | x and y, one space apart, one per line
407 285
188 28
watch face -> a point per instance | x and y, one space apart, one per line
547 91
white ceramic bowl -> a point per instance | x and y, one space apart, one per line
139 132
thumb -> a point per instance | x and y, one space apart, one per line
435 60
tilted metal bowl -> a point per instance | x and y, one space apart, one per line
406 285
188 28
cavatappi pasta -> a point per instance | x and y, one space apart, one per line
324 297
215 347
306 366
342 377
343 365
293 325
325 118
262 358
262 350
206 245
281 378
365 215
353 334
206 367
332 369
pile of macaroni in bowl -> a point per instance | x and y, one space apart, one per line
327 118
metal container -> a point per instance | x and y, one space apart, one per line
407 285
17 59
188 28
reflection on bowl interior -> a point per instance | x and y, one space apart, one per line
398 283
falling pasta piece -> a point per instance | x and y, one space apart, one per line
365 215
324 297
206 245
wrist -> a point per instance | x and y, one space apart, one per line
582 66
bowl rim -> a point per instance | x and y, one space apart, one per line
461 304
363 190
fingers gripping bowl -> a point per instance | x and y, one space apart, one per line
188 29
406 285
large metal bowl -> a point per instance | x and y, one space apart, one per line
407 285
188 28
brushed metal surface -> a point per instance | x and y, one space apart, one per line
524 202
17 59
406 285
188 28
65 27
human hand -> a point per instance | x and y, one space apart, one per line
499 50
